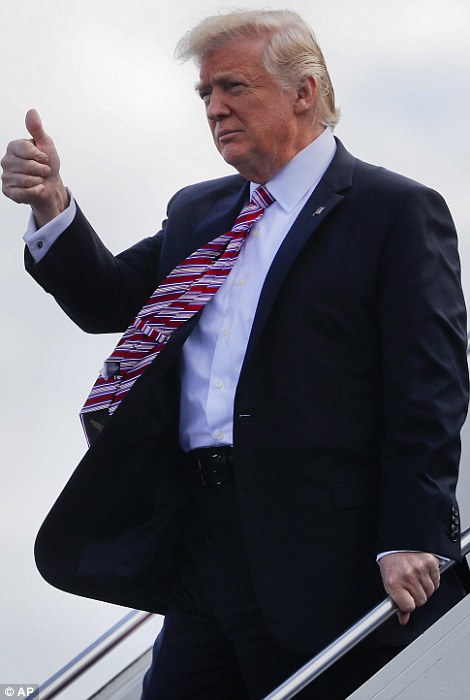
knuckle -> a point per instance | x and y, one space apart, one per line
14 147
422 567
6 162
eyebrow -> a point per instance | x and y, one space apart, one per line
217 79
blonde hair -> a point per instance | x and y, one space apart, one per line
292 54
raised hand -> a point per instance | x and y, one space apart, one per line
31 172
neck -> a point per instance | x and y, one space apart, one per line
262 172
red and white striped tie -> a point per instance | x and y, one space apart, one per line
185 291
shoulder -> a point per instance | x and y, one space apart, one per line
382 181
382 189
207 191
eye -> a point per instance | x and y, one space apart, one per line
205 95
236 88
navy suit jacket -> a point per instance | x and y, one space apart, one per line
346 418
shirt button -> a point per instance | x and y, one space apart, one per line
220 436
241 282
255 233
40 244
226 331
219 384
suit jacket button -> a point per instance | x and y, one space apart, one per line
454 537
454 510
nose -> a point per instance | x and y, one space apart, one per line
216 106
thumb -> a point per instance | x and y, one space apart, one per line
34 126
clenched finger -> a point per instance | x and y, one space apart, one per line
27 150
30 195
13 165
410 578
21 180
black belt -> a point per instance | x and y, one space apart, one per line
214 465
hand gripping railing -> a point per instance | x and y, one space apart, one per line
373 619
293 685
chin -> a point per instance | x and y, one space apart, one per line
232 153
236 159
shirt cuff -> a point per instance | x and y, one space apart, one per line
442 560
40 240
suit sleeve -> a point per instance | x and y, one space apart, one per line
423 333
100 292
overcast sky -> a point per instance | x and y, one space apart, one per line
130 132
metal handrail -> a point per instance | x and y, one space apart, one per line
361 629
91 655
293 685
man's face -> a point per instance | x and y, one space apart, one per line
254 123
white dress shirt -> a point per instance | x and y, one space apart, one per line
39 240
213 354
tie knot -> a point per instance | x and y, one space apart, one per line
261 197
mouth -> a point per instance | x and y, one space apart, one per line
226 134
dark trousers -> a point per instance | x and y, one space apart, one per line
214 644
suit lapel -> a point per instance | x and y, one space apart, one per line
222 215
323 200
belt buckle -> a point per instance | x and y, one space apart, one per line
202 473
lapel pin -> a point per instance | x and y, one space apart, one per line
318 211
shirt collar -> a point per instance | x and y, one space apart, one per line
303 172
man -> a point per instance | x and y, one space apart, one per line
304 421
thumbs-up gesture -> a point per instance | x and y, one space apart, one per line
31 172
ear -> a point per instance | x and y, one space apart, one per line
306 96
